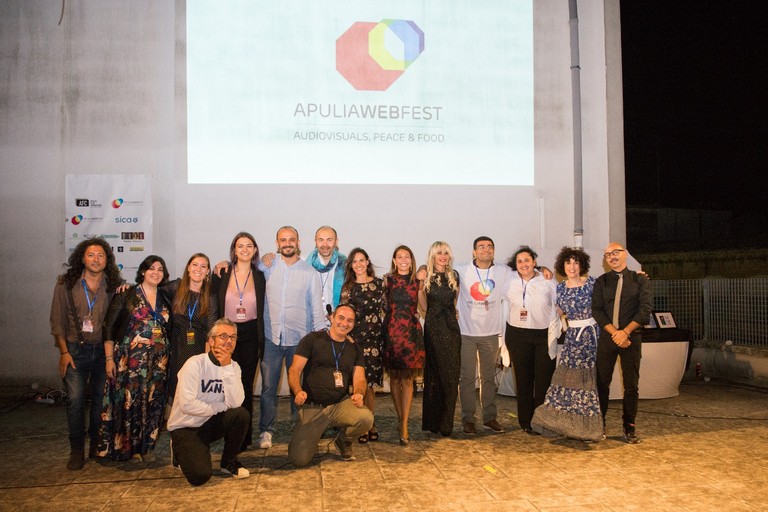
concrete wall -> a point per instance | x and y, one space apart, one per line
103 92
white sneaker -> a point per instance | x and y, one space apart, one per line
265 440
235 469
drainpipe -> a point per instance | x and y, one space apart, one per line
578 200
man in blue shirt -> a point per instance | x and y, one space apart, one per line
294 307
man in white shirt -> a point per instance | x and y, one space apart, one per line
481 323
207 407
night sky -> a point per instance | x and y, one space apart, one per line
696 106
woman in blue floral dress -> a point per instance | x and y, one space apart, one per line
137 366
571 407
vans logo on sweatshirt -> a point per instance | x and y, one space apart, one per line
212 386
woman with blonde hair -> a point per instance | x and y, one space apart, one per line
442 340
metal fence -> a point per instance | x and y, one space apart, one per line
717 309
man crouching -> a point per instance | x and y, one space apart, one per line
207 407
328 361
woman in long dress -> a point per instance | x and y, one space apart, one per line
404 350
442 341
365 292
194 310
136 351
571 406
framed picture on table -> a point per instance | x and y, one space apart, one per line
651 322
664 319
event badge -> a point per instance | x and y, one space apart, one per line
337 379
523 315
240 314
157 333
190 337
87 324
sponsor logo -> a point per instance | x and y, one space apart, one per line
137 248
116 203
119 248
82 202
126 220
371 56
76 220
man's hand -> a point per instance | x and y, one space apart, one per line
300 398
357 399
621 338
65 360
220 266
123 287
223 355
267 259
547 273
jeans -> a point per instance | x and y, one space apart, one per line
487 347
90 366
271 366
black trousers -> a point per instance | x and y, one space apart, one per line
533 367
247 356
607 352
192 446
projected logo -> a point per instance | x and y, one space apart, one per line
371 56
117 202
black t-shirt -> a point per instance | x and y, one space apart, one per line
318 380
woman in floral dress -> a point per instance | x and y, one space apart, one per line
365 292
404 350
137 366
571 407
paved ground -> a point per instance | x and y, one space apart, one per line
706 449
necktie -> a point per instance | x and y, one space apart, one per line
617 301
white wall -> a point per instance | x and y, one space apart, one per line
104 92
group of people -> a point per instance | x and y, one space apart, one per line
195 342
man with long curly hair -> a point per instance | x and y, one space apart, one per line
80 300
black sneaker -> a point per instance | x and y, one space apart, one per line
235 469
629 434
174 460
345 449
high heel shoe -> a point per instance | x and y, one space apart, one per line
404 441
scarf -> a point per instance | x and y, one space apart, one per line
337 260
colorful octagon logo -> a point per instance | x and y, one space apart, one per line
371 56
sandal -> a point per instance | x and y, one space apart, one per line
373 435
363 439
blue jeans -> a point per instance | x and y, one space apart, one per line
90 367
271 366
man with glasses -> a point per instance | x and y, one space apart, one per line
207 407
621 304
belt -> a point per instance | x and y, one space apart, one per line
583 324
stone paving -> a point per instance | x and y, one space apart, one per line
706 449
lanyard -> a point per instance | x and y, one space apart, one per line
241 292
525 286
191 312
151 307
337 358
484 283
88 298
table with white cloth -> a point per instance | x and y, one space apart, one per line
666 356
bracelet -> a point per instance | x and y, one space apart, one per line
110 358
64 353
625 332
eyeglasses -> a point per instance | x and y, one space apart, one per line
614 252
225 337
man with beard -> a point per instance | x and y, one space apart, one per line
329 264
325 364
80 301
621 304
294 307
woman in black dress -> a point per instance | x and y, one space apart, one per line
193 311
365 292
442 340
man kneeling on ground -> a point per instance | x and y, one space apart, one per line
207 407
329 360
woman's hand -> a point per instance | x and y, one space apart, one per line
111 368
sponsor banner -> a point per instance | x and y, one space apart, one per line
117 208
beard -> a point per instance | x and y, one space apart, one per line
287 251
